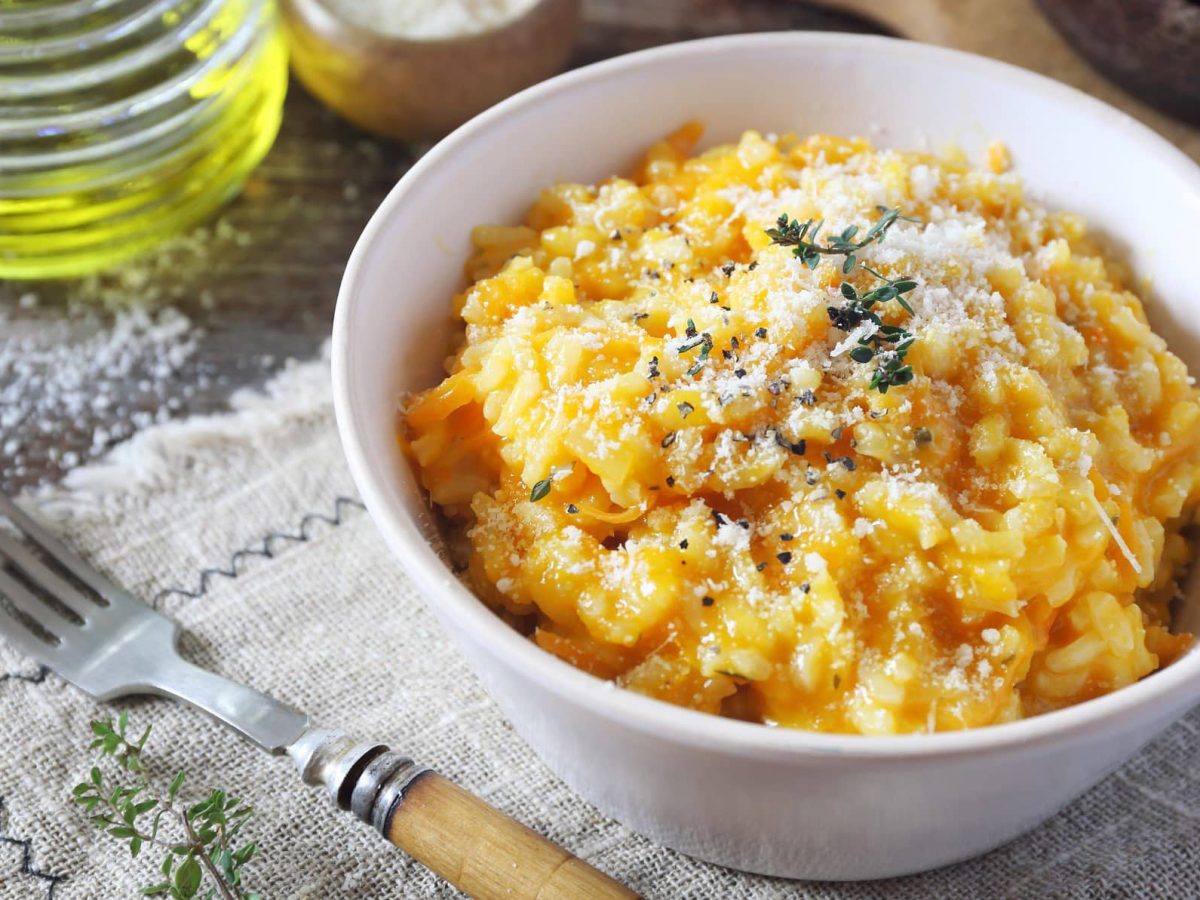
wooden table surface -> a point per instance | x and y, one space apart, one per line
259 283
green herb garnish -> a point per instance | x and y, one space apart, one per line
802 237
893 289
887 345
702 340
203 850
540 490
701 358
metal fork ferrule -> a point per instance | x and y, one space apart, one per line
391 793
384 771
333 760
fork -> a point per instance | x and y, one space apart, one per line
70 618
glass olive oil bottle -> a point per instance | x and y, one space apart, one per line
123 122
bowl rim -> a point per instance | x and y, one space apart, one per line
1166 689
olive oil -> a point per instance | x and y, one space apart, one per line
123 123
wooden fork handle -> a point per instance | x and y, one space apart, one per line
483 852
474 846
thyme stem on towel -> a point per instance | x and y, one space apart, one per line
206 834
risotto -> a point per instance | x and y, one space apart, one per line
812 434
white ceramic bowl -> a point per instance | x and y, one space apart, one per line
766 800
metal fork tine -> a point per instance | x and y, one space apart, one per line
34 607
41 575
54 548
18 634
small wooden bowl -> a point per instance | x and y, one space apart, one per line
416 90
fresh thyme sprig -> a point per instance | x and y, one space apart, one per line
893 289
885 345
890 346
802 237
206 832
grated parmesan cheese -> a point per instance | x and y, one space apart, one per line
429 20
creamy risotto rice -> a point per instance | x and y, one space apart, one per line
703 461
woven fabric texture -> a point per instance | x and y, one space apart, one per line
246 529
